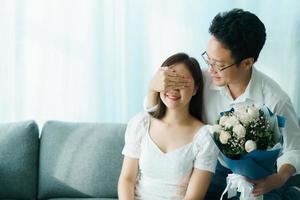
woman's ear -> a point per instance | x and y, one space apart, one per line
195 90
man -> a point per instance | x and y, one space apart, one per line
237 38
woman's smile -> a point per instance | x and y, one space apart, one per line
172 96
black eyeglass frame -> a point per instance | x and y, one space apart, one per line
214 66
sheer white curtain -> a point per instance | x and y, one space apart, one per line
91 60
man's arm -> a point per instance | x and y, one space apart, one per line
288 164
291 138
150 101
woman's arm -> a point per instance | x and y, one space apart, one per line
127 178
198 184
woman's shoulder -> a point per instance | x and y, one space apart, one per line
138 125
141 118
205 150
203 137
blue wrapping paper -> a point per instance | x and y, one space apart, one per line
254 165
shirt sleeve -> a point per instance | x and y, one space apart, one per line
151 109
136 129
291 137
206 151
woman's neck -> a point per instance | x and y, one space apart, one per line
177 116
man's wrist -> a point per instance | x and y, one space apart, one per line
152 93
151 100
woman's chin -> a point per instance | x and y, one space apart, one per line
172 104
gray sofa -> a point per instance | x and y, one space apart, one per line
66 161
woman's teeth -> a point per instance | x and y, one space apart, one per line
174 98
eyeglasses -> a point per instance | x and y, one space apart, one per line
217 67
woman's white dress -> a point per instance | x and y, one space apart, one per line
162 175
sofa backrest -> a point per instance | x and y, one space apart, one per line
80 159
19 148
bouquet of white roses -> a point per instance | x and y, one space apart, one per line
249 139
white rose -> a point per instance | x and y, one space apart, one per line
217 128
224 137
231 121
250 145
240 110
239 130
223 119
253 112
245 118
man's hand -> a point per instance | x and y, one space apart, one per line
273 181
166 79
268 184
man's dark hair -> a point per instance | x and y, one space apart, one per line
195 107
241 32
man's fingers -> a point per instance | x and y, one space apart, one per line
175 87
172 73
178 79
178 84
257 191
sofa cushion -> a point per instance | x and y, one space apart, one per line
19 144
80 159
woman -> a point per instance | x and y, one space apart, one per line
170 153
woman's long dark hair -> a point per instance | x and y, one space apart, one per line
196 102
